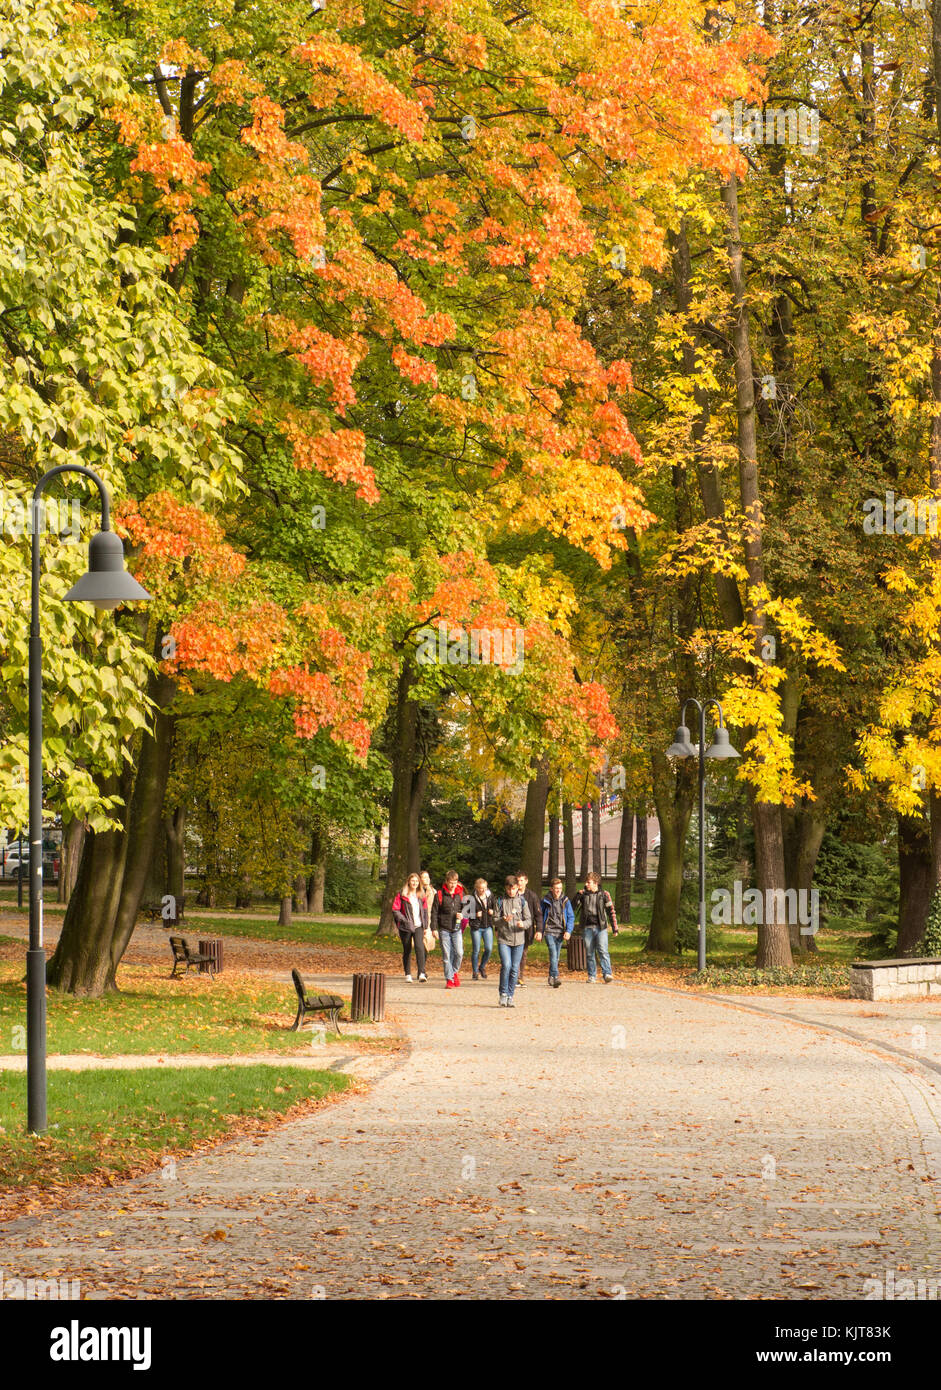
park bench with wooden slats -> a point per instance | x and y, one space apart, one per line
155 914
329 1004
183 955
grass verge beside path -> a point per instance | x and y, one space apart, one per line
107 1125
153 1014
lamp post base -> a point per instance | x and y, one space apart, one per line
36 1041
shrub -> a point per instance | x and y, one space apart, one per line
828 976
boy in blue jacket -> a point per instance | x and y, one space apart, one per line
558 923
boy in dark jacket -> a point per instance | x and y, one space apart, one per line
596 914
447 926
532 901
558 923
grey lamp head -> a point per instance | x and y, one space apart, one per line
106 583
681 746
721 748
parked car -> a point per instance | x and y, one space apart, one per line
10 859
10 863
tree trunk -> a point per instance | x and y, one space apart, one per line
622 897
583 866
568 849
553 847
774 938
318 871
284 916
774 944
803 836
404 745
640 854
103 908
155 880
299 896
73 838
419 788
534 826
673 797
175 829
916 884
596 863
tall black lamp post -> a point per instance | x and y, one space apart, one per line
106 583
682 748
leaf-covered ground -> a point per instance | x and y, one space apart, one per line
105 1125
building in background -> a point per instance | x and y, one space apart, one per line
610 838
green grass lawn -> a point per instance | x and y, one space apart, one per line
112 1123
304 930
153 1014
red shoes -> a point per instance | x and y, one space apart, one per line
455 980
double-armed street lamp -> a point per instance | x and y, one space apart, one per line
721 748
106 583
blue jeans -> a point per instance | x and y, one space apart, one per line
555 944
452 951
596 939
510 957
481 946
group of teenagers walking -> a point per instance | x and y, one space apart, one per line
425 915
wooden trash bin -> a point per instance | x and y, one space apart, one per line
369 998
213 949
575 957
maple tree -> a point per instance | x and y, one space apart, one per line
469 316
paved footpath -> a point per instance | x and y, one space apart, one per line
596 1141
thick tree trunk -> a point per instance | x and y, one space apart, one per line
774 939
596 862
419 788
104 905
622 898
640 854
299 895
568 849
553 847
73 838
803 836
534 826
916 885
284 916
155 880
583 866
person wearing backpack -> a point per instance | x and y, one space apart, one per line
535 912
447 926
596 915
558 923
410 915
478 909
513 920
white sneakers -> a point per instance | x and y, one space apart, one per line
503 1001
408 979
421 979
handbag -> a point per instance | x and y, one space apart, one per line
429 939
